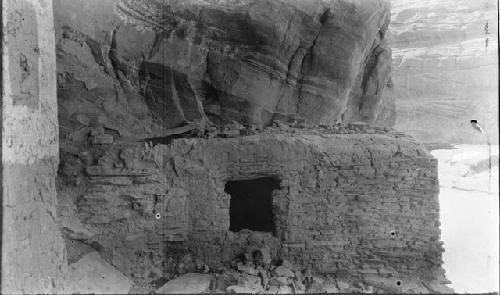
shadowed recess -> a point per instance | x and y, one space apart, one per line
251 204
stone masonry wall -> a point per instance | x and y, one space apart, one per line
364 204
33 255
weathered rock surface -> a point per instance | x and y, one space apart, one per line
127 70
191 283
75 250
145 63
281 271
444 75
301 283
256 59
159 208
96 96
91 274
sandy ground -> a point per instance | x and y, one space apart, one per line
470 217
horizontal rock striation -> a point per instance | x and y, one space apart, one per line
94 88
445 69
352 200
251 61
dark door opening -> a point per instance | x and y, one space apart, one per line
251 205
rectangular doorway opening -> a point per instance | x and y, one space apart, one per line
251 205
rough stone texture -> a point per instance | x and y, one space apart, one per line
358 200
190 283
92 275
167 63
92 90
443 74
33 254
362 203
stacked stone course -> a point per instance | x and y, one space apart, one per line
362 203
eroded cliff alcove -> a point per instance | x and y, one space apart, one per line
246 83
248 141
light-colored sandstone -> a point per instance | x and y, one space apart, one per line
190 283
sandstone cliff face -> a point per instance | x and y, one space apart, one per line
445 68
92 91
346 195
134 66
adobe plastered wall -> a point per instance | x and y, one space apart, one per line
362 203
33 258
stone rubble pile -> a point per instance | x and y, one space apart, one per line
235 129
255 272
97 136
